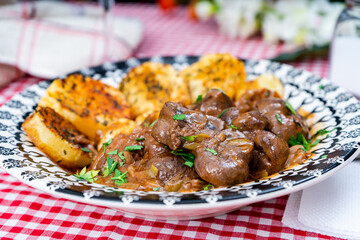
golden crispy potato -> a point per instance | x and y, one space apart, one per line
221 71
58 138
88 104
266 81
148 86
123 125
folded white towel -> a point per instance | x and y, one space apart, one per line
50 45
330 207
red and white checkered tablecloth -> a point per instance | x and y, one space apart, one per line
27 213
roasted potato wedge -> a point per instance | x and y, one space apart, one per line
266 81
221 71
58 138
148 86
88 104
123 125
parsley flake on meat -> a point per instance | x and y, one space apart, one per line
179 117
113 152
288 105
119 177
133 148
156 189
83 149
212 151
208 186
110 167
233 127
199 98
139 139
107 144
278 117
188 157
190 138
223 112
89 176
153 123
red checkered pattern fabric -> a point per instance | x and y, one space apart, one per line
27 213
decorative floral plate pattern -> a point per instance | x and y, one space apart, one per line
330 107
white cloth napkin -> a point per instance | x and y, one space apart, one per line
61 38
331 207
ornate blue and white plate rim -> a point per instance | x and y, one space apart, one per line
332 106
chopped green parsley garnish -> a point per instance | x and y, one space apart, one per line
153 123
233 127
288 105
166 146
278 117
156 189
110 167
121 156
146 125
179 117
223 112
301 140
83 149
113 152
107 144
139 139
208 186
212 151
133 148
321 86
323 132
119 177
188 157
199 98
190 138
324 156
89 176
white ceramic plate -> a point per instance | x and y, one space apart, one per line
332 107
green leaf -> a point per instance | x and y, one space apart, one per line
212 151
233 127
179 117
208 186
288 105
139 139
119 177
278 117
121 156
107 144
110 167
188 157
321 86
190 138
153 123
322 132
223 112
89 176
85 150
324 156
199 98
133 148
146 124
113 152
156 189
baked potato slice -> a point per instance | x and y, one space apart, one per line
148 86
58 138
221 71
88 104
123 125
266 81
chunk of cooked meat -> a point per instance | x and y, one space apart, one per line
296 156
169 131
230 115
224 160
214 103
250 121
249 99
172 172
281 120
272 152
